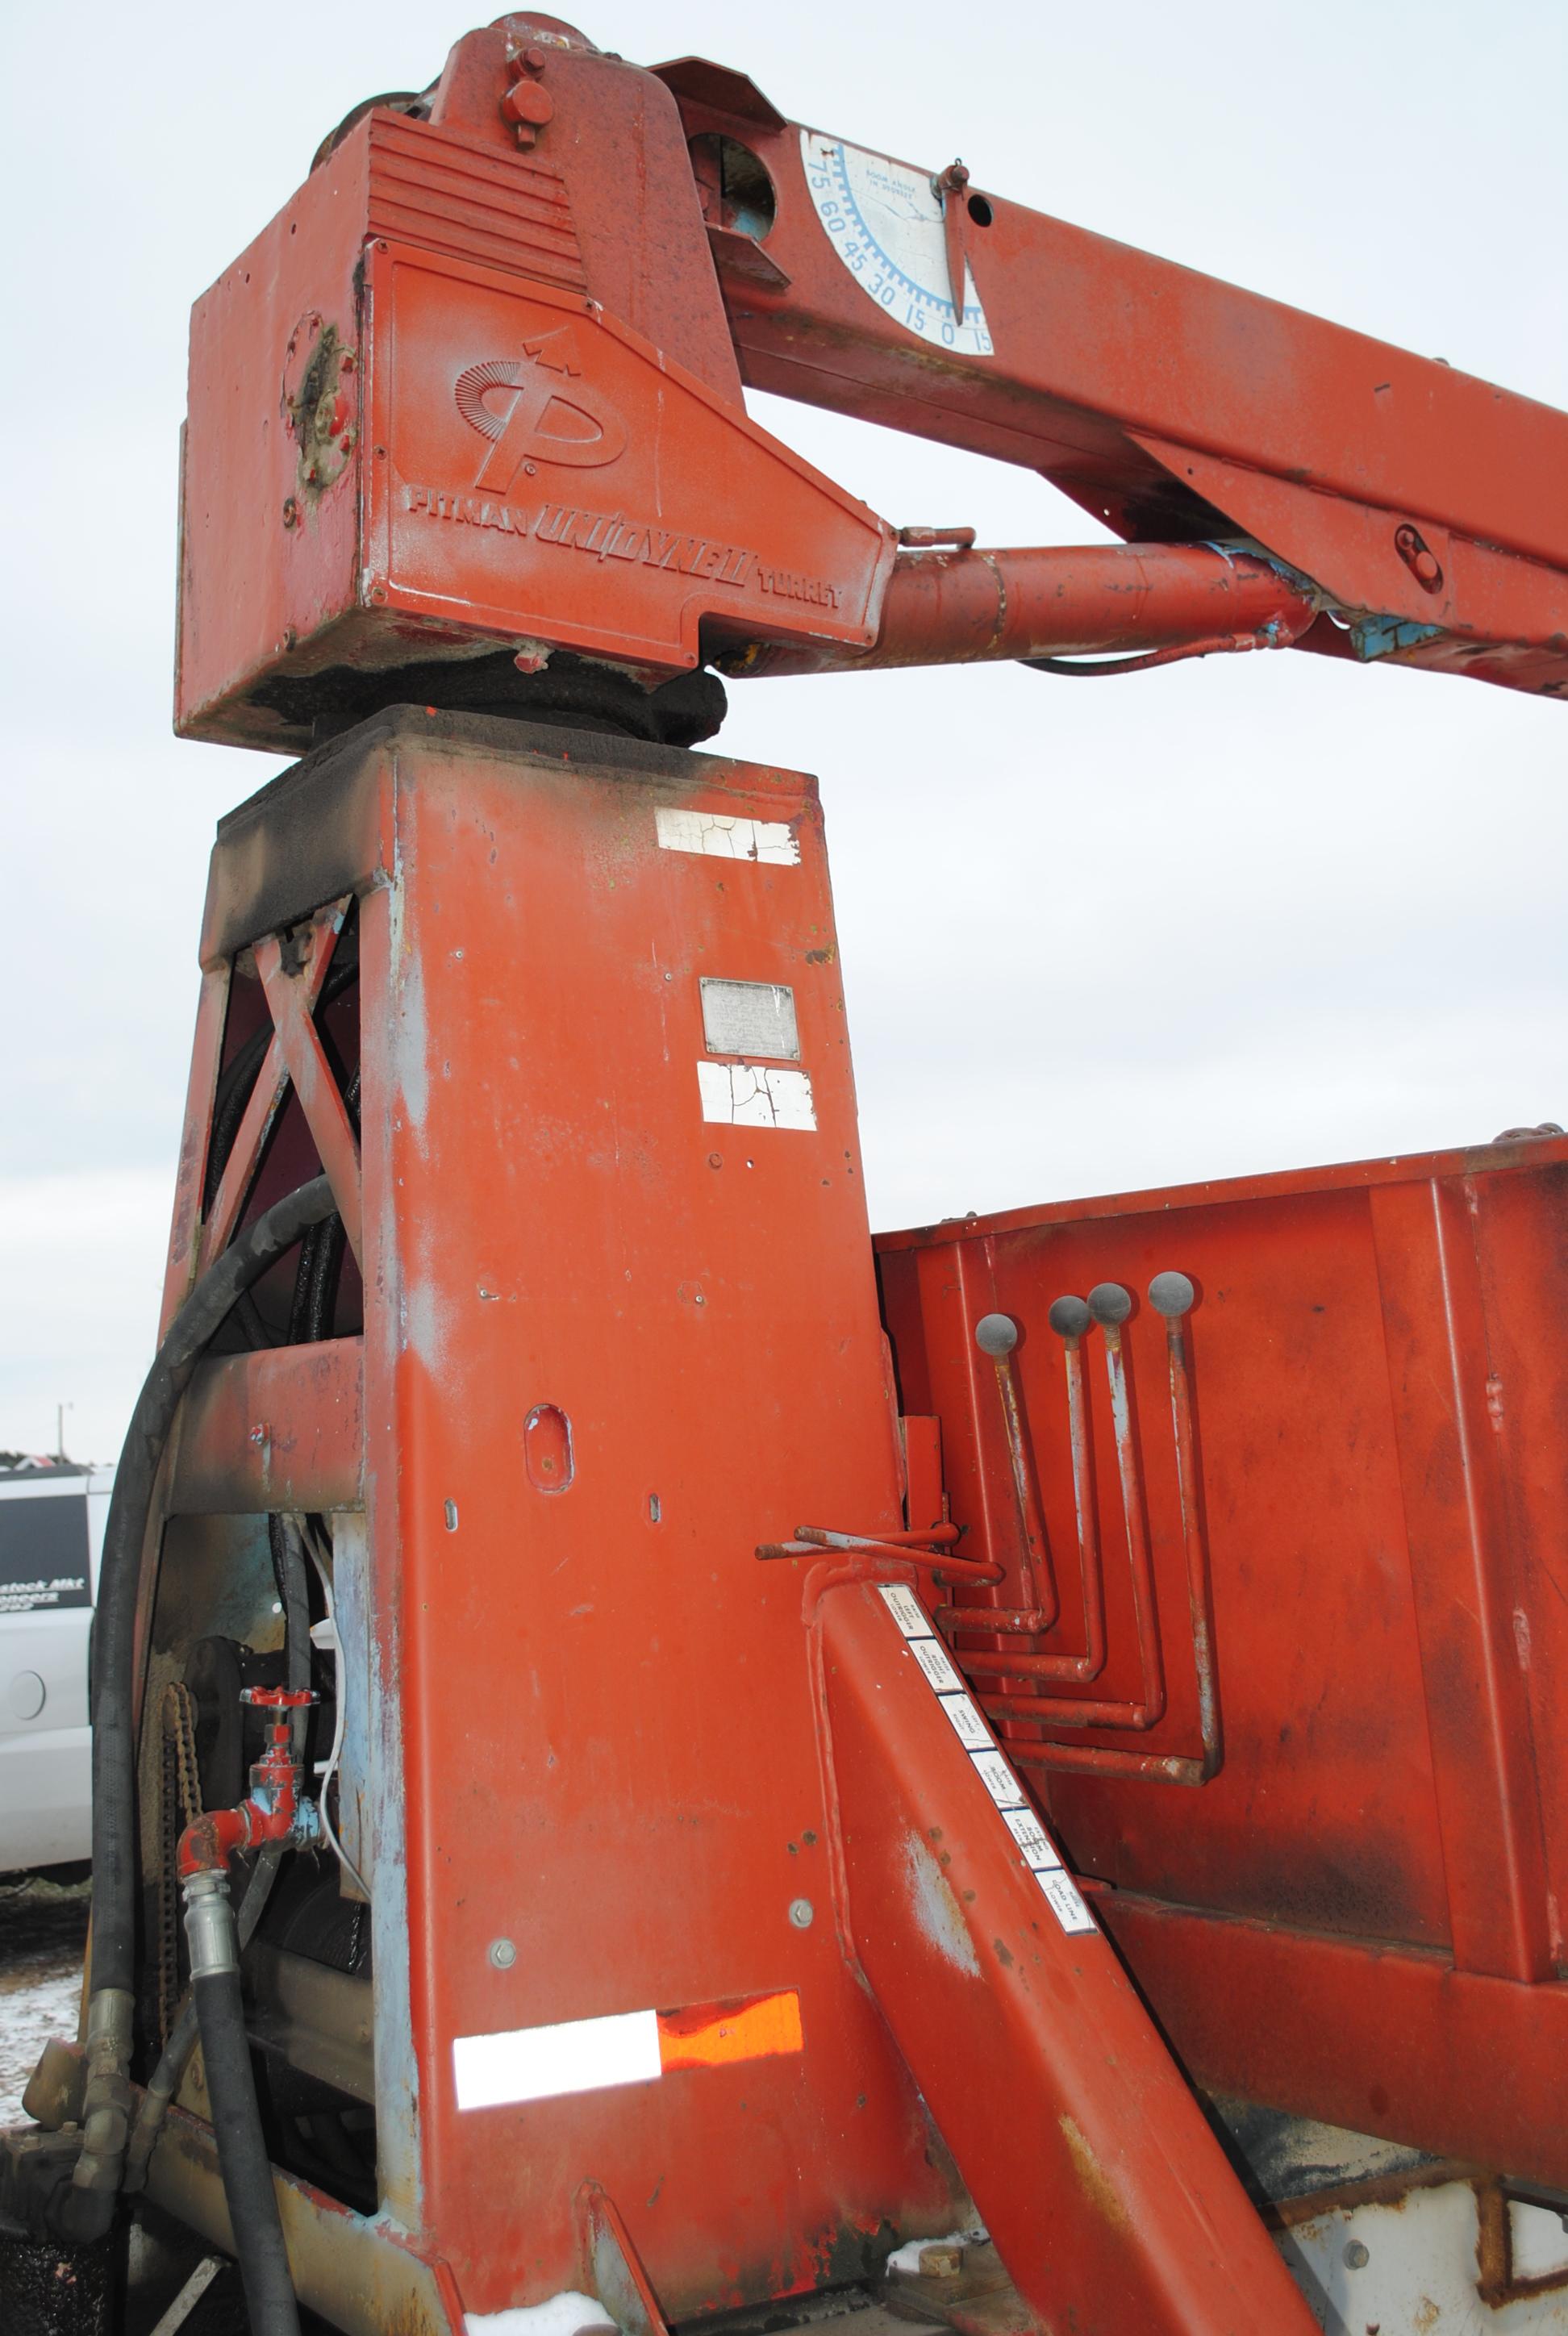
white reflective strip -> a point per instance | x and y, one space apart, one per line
906 1610
717 836
1039 1850
1065 1902
1000 1780
932 1658
967 1724
539 2064
754 1095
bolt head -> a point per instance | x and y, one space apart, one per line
527 105
802 1914
1357 2255
502 1953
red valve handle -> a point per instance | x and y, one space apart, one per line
278 1699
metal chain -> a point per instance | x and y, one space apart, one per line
179 1805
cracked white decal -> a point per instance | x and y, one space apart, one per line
755 1094
715 836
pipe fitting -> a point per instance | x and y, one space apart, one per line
209 1929
106 2101
274 1810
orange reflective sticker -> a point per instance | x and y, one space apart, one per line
708 2035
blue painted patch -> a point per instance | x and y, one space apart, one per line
1380 636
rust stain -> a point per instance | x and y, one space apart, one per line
1095 2181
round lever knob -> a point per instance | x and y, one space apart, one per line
1069 1318
996 1335
1109 1303
1172 1295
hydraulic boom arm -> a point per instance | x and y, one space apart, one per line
514 315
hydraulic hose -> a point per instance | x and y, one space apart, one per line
106 2108
242 2157
321 1254
288 1566
170 2074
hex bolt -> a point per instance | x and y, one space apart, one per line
1357 2256
802 1914
1110 1304
502 1953
996 1335
1172 1295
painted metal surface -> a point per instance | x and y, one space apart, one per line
968 606
1040 2065
1372 1438
1156 397
475 389
279 1428
548 1221
715 1948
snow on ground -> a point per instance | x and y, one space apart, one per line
43 1932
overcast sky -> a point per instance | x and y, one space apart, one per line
1245 914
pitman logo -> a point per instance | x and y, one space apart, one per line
525 408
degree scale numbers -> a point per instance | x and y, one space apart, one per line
885 222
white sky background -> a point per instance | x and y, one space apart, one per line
1246 914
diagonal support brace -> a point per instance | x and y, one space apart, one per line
1111 2202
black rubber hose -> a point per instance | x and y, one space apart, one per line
114 1838
170 2074
314 1302
247 2170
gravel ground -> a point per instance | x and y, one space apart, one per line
42 1934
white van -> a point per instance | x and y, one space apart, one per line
51 1539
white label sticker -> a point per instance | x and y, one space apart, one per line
885 222
906 1610
932 1658
1000 1780
715 836
967 1724
1032 1838
751 1095
1065 1902
540 2064
750 1018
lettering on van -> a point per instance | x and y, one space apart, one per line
43 1552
